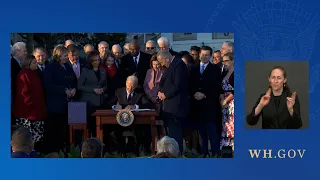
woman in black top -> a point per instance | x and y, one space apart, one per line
279 107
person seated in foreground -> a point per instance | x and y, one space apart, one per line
22 144
167 148
92 148
131 97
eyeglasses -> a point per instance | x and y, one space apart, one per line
150 48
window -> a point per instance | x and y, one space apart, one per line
225 35
184 36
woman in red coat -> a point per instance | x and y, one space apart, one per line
29 106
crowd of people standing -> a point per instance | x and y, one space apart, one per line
191 90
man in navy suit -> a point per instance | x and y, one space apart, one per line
174 94
41 58
205 89
22 143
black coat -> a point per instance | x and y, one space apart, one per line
174 84
129 68
277 118
209 83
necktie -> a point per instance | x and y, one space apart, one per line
42 68
135 60
202 68
75 69
129 99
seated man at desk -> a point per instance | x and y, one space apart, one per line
131 97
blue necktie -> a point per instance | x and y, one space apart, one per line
202 68
135 60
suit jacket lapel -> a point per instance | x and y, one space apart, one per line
102 75
134 98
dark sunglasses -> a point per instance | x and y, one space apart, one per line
150 48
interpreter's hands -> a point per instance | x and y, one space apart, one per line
291 101
266 98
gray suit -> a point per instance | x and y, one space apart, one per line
87 82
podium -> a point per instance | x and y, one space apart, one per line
104 117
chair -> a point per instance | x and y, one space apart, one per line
77 118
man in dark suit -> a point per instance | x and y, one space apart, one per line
174 94
116 51
22 143
76 63
205 88
131 97
164 45
41 58
136 62
19 52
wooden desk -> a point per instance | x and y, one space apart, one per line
109 117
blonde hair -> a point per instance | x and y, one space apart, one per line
58 52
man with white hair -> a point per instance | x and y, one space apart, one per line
41 58
174 94
131 97
167 148
227 47
88 48
19 52
117 53
164 44
103 48
151 47
126 48
68 42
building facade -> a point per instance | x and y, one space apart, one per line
183 41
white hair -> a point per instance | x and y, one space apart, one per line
229 44
103 42
168 145
133 78
116 46
87 45
126 45
164 40
17 46
151 41
69 41
163 54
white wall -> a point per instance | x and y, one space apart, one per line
202 39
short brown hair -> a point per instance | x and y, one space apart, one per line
153 58
27 61
58 52
73 48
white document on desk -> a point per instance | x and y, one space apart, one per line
136 110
